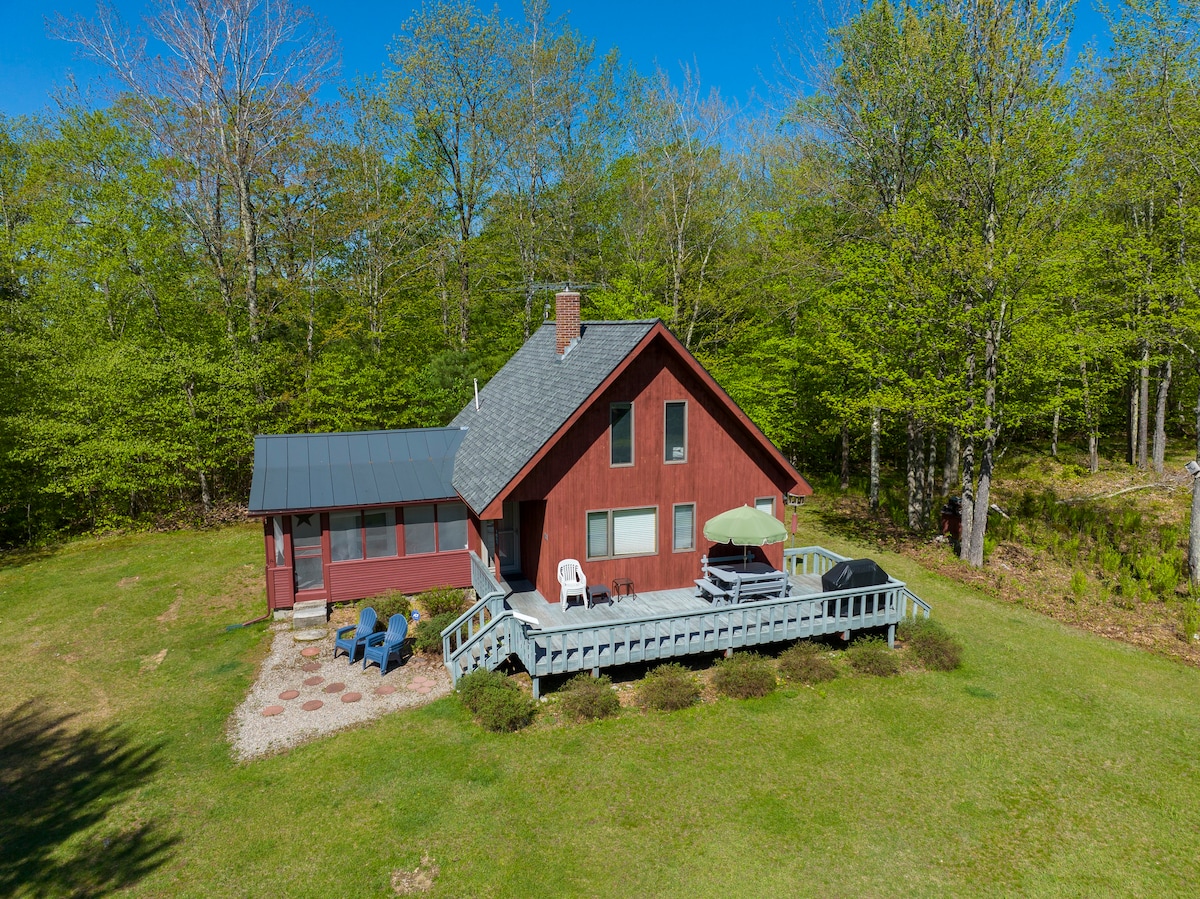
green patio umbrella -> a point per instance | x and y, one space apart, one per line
745 526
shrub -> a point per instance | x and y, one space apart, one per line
586 698
1189 618
428 636
386 605
496 702
1078 584
441 600
668 688
870 655
1110 559
807 663
932 644
744 675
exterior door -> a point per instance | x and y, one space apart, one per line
508 543
308 562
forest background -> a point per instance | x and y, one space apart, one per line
935 238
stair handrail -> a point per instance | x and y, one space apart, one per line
918 604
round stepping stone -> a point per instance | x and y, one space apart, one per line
313 681
309 635
351 697
385 690
423 689
335 688
312 705
310 651
289 694
271 710
311 666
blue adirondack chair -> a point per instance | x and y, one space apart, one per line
353 643
381 647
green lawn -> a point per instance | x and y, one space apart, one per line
1052 763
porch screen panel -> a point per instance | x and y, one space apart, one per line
685 527
451 526
306 552
277 524
597 534
634 531
345 536
380 529
420 534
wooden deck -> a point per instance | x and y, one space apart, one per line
515 620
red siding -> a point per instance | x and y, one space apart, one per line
408 574
280 594
725 468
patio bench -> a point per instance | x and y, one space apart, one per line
713 591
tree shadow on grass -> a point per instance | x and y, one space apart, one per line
57 788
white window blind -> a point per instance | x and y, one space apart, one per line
634 531
765 504
597 534
685 527
278 525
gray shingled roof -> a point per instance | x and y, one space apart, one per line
529 399
363 468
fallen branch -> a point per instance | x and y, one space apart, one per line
1084 499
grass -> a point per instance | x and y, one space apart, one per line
1052 762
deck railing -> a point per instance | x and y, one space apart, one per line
809 560
471 624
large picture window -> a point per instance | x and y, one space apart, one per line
675 432
622 532
620 433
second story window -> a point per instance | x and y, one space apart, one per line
675 432
620 433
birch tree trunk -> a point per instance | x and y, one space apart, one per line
1143 408
873 488
845 480
950 466
1160 416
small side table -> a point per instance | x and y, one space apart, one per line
623 586
595 592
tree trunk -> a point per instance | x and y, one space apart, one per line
873 488
930 475
1057 417
1160 416
1131 453
1194 532
845 481
1143 431
915 471
250 248
1089 420
987 457
950 467
968 467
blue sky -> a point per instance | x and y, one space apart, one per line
732 44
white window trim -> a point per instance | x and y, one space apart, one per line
686 435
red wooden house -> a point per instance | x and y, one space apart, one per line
605 442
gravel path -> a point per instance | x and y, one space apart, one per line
299 696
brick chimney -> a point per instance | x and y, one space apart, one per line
566 320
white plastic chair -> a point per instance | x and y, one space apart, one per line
570 576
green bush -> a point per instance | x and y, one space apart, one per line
931 643
870 655
586 698
744 675
807 663
441 600
1109 559
386 605
428 635
1078 584
1189 619
496 702
668 688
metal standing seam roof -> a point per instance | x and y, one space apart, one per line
529 399
293 472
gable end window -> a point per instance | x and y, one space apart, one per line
683 527
765 504
620 433
675 432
